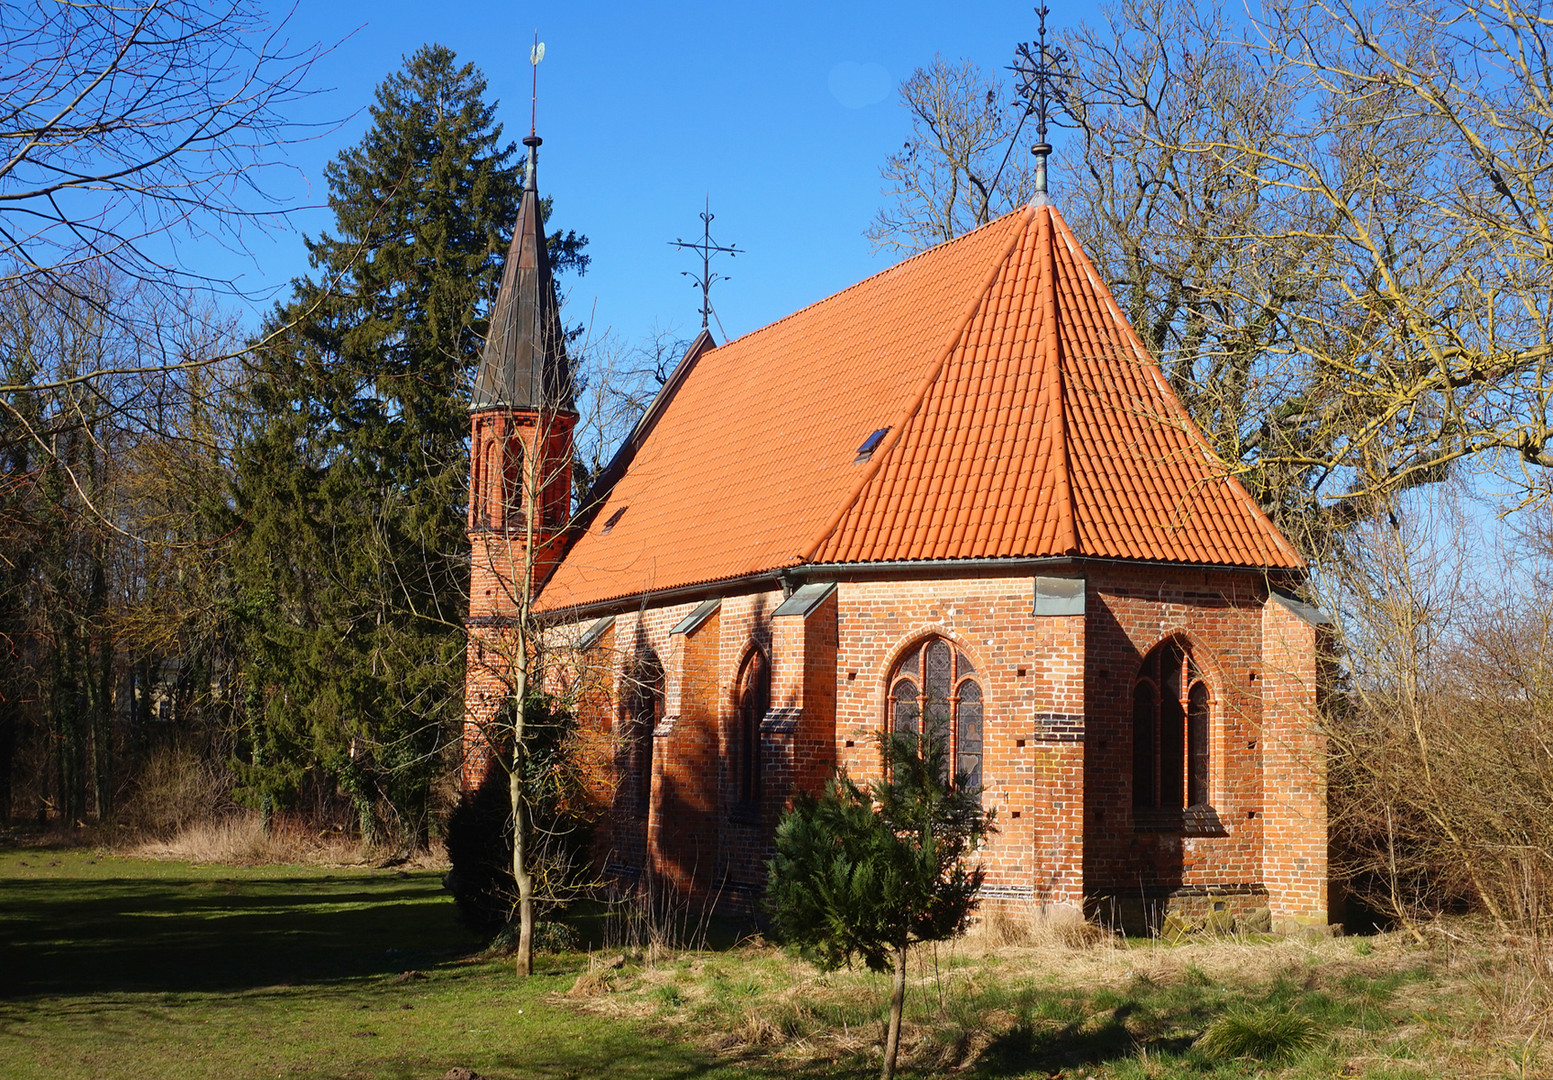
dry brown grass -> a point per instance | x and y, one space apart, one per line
239 838
998 928
1384 1003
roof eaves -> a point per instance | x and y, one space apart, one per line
620 603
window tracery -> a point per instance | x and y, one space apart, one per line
935 690
1171 743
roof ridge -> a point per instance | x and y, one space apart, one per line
1172 401
1053 382
908 260
882 453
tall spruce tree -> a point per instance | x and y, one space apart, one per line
352 483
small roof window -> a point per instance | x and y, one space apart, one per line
614 519
870 444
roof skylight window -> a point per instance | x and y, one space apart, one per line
870 444
613 520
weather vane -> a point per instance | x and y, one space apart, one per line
535 55
1041 70
707 248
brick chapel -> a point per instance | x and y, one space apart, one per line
958 493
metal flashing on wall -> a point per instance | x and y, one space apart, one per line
1059 596
596 631
692 622
805 599
1313 615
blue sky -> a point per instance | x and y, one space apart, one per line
781 113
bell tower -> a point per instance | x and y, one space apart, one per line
520 456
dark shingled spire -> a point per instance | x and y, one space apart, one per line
524 364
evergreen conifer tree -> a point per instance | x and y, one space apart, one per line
865 872
352 483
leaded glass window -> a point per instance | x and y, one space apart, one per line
934 691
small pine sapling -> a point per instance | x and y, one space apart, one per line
868 872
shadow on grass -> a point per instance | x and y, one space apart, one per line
197 933
1024 1050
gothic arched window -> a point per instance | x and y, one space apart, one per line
934 690
642 708
512 479
1170 731
754 698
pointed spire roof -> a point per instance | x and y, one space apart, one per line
524 365
1021 417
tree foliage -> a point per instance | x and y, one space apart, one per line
110 517
352 481
863 873
1442 744
129 130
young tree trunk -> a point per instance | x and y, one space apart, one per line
520 824
520 871
892 1042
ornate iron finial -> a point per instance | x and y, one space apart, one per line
1042 73
707 248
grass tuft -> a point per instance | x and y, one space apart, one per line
1268 1034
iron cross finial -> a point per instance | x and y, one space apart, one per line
1041 70
707 248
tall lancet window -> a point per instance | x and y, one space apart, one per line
1171 743
480 475
642 708
513 479
754 698
935 690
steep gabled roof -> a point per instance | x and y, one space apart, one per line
1024 418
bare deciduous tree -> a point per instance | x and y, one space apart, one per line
1330 225
121 124
1443 739
130 131
962 165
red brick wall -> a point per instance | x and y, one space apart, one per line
745 835
1028 666
1130 610
498 543
485 691
497 540
1057 731
687 758
1294 774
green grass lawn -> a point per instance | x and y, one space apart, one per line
122 968
127 968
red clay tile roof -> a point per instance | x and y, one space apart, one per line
1025 419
